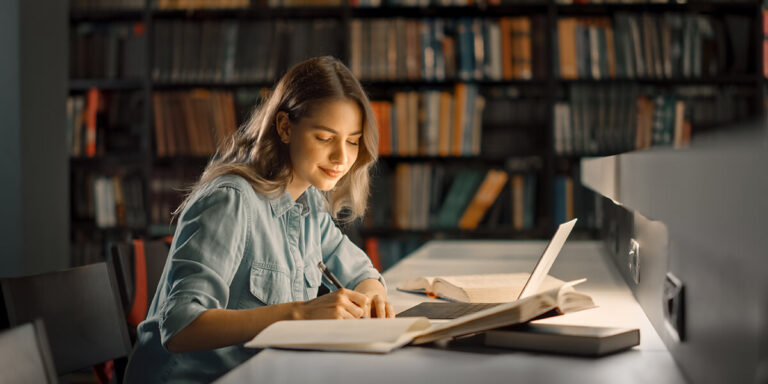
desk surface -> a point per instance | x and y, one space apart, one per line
650 362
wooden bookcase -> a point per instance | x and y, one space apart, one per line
547 89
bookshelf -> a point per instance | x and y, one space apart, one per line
536 117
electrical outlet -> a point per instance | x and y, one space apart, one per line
633 260
674 307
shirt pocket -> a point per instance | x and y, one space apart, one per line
270 284
312 276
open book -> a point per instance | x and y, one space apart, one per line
486 288
384 335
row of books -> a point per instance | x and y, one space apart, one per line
200 4
233 50
612 119
104 122
765 42
438 49
167 189
109 200
432 123
514 124
385 253
671 45
422 196
648 1
122 5
87 247
572 200
192 122
107 51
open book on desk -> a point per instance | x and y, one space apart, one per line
485 288
385 335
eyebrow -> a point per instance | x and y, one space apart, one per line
324 128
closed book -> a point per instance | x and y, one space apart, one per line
564 339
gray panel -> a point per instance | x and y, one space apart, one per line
712 201
38 166
10 158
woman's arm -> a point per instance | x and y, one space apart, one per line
216 328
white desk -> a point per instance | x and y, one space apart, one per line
650 362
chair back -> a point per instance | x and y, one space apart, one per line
81 311
25 356
138 268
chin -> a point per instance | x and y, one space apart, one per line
325 186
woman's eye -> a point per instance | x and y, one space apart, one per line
323 139
352 143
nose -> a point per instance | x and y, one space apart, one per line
339 153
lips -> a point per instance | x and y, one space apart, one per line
332 173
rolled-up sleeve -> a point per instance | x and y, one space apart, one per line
209 244
345 259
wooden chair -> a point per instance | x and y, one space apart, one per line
25 355
81 311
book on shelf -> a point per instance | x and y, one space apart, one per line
563 339
385 335
485 196
523 194
456 199
562 206
484 288
765 42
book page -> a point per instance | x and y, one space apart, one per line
501 315
487 288
418 284
318 334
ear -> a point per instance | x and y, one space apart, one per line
283 126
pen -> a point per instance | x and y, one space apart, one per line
329 275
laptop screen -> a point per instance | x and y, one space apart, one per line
547 259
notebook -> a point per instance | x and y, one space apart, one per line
452 310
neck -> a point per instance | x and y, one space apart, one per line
295 189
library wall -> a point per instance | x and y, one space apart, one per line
483 111
34 165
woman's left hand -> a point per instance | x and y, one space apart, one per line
379 306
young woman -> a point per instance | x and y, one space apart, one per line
251 233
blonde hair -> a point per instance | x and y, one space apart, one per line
256 153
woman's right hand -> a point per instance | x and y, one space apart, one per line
340 304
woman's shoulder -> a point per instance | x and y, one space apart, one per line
236 182
229 184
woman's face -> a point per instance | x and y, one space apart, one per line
324 145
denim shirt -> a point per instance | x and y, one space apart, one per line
235 248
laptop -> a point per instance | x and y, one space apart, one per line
452 310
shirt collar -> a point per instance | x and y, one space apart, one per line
282 204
